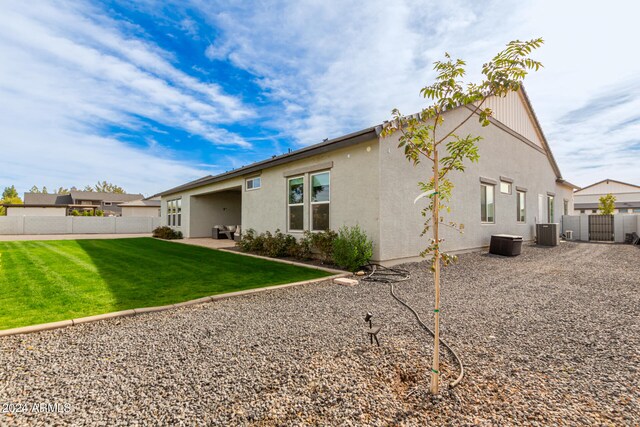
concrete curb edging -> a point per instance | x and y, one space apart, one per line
105 316
137 311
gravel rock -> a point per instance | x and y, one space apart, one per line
549 337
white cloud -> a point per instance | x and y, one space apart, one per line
67 71
346 64
332 68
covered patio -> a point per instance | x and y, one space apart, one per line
219 208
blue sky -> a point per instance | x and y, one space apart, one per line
151 94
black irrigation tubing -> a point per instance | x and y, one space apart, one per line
391 276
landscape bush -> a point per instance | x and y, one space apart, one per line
251 242
352 248
279 244
303 249
166 233
322 242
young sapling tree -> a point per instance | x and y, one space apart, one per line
424 138
607 204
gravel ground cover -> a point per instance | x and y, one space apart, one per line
551 337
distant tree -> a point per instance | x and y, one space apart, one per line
108 187
607 204
9 197
10 192
88 188
62 190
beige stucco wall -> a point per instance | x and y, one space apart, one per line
353 192
141 211
502 153
33 211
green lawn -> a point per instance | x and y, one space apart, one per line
47 281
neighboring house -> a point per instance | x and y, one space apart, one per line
76 200
363 178
36 210
587 199
142 207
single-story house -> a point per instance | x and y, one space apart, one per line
363 178
587 199
75 200
36 210
142 208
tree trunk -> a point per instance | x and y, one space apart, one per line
435 370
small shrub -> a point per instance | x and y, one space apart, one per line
251 242
167 233
246 240
99 212
323 243
75 212
303 248
278 244
352 248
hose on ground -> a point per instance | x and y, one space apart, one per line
392 276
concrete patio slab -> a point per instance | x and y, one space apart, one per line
208 242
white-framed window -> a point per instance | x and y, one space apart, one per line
174 213
505 187
253 183
487 203
581 211
107 203
565 207
320 200
521 206
295 203
550 205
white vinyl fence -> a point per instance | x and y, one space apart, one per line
622 225
76 225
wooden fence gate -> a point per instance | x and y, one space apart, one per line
601 228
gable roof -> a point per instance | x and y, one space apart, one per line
302 153
607 181
348 140
47 199
106 197
68 199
